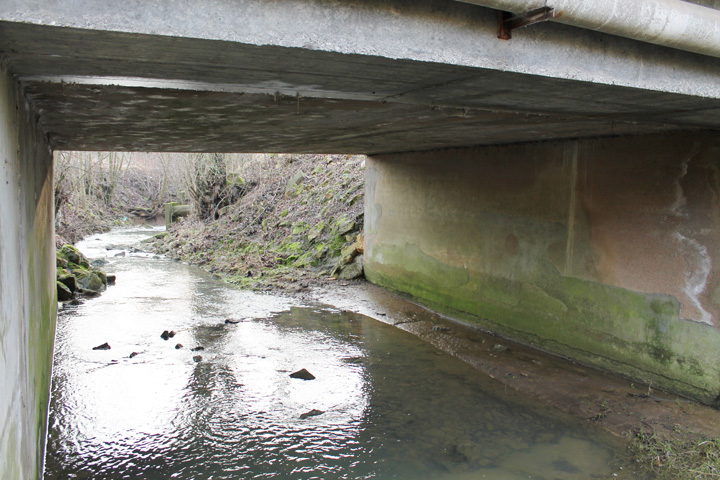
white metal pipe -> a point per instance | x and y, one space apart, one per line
671 23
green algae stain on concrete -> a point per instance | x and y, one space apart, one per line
579 258
28 288
42 313
634 334
12 458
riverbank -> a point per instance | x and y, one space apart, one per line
299 224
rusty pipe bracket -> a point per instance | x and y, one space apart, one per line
507 22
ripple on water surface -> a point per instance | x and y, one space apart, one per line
393 406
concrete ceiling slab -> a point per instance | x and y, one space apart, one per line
101 90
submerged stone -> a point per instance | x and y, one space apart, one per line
312 413
303 374
104 346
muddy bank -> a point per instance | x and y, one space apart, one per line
629 410
613 403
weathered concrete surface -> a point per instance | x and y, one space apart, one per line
336 76
600 250
27 285
173 211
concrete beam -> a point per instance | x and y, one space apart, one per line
603 251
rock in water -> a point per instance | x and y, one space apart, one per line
63 292
197 349
134 354
73 255
104 346
197 358
178 346
311 413
89 280
303 374
165 335
68 280
232 321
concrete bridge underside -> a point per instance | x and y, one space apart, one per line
561 187
329 76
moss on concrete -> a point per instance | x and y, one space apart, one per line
635 334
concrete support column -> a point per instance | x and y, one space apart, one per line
28 302
605 250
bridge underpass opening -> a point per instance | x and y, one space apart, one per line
377 78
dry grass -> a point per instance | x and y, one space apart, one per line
279 232
683 456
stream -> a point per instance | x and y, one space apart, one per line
383 404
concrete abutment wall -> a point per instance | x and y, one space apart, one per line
27 285
605 250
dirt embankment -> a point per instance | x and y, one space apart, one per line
298 223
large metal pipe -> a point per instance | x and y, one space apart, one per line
671 23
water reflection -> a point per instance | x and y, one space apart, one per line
393 406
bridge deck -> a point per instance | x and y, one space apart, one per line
99 85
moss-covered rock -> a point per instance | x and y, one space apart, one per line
67 279
61 263
89 280
75 274
63 292
352 270
73 255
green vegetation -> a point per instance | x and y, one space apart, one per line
640 335
288 228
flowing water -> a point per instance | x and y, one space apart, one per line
392 406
